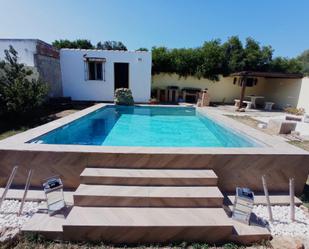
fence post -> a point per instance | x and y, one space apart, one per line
292 200
267 198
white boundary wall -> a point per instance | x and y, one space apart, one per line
76 87
303 100
26 49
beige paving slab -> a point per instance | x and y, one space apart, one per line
44 223
252 229
148 176
248 234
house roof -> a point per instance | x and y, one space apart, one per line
269 74
24 40
105 50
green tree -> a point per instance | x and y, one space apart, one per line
111 45
233 56
62 44
142 49
212 60
19 92
185 61
256 58
162 61
285 65
304 60
79 43
83 44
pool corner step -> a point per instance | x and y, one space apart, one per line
147 196
153 177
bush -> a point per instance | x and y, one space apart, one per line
123 96
19 93
24 95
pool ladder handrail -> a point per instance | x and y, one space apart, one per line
25 192
8 185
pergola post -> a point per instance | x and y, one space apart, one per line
243 91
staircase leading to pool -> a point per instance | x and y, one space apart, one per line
148 206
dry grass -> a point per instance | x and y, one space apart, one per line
301 144
247 120
22 242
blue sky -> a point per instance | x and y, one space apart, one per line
284 24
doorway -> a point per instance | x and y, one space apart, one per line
121 75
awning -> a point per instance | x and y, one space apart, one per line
268 75
96 59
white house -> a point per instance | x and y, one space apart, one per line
96 74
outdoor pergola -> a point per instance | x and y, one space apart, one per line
245 75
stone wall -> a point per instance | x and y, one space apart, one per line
47 63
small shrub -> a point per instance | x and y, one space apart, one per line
123 96
231 246
200 246
19 92
295 111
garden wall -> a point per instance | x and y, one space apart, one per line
303 101
283 92
221 91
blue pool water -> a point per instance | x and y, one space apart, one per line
146 126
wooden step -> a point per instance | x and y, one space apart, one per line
167 177
147 196
147 225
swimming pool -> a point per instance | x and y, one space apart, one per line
148 126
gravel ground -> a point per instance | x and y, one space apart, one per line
282 225
10 223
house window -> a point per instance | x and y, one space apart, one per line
95 70
251 82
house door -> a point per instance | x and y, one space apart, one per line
121 74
